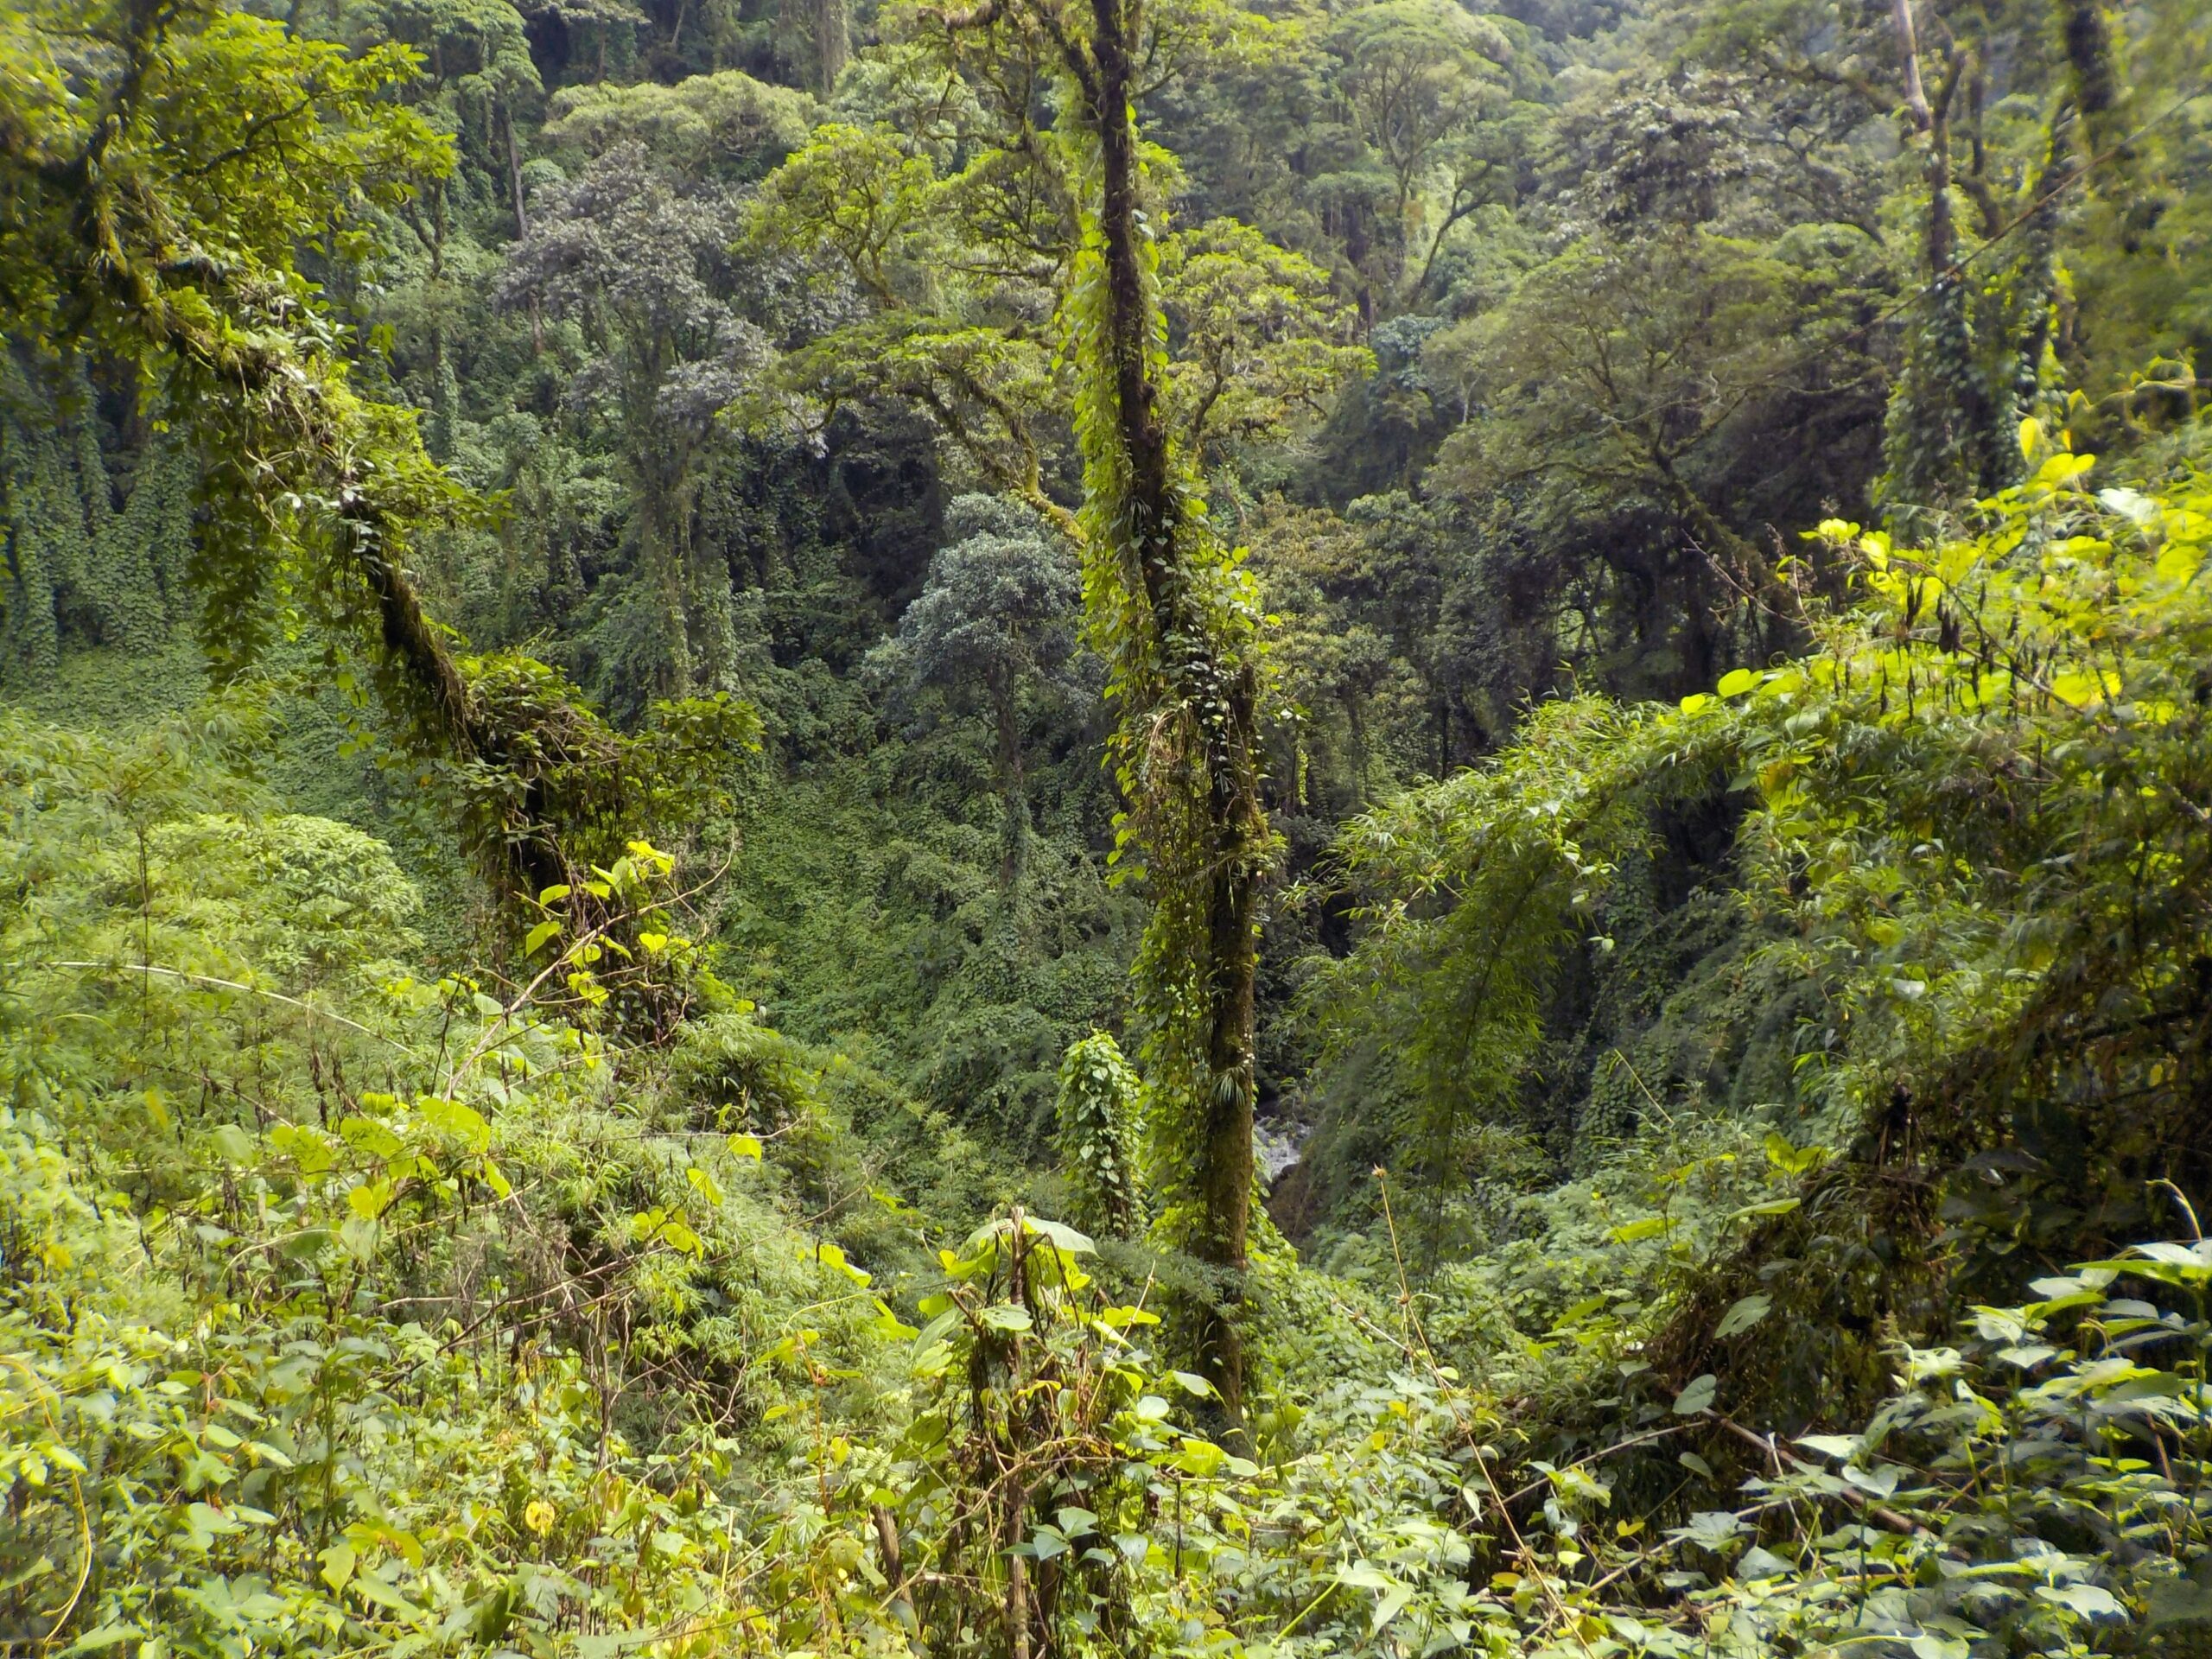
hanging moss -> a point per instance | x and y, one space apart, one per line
29 639
37 528
158 519
80 570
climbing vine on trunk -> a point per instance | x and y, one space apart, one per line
1170 608
1168 605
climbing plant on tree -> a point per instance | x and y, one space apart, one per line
1988 188
953 270
954 233
157 159
1168 605
1099 1092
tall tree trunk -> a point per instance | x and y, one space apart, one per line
2094 75
514 173
1942 443
522 222
832 42
1014 804
1934 122
1158 533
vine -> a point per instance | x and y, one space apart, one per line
1175 615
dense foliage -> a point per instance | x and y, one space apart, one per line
1199 827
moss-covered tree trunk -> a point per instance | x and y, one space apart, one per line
1190 728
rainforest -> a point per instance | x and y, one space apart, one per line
1048 828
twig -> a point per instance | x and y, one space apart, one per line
227 985
1768 1444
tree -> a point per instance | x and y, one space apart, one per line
831 32
1978 350
620 253
1064 219
634 253
151 209
1258 344
1621 387
1417 78
955 271
474 69
1168 607
1349 627
1949 430
949 283
1065 213
996 612
151 196
725 128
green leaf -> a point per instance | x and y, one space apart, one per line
1881 1480
1005 1316
1698 1396
357 1236
537 936
1841 1448
937 1328
1064 1237
1772 1207
338 1562
705 1185
1760 1563
1391 1603
2090 1601
463 1123
1712 1530
1580 1310
1200 1457
1746 1312
105 1637
1792 1159
2198 1254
